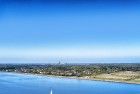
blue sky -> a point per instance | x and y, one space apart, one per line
69 28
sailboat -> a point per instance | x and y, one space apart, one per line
51 92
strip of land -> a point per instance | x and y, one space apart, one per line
127 73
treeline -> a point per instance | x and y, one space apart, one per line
78 70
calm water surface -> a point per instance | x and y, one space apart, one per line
12 83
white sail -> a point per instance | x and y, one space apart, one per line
51 92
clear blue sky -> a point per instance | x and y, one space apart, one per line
69 28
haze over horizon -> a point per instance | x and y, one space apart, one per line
69 29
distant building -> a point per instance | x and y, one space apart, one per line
59 63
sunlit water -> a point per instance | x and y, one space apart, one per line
12 83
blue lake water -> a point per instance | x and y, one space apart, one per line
12 83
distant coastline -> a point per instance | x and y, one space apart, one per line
80 78
118 73
83 78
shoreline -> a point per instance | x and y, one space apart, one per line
79 78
